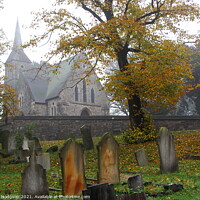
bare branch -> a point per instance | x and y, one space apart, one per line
91 11
126 8
87 74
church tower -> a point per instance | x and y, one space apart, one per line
17 60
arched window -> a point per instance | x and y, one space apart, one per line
85 112
53 110
84 92
92 96
76 93
21 100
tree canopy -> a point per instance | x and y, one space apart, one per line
143 37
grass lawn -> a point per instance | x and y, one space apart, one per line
186 142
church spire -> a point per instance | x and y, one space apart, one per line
17 53
17 40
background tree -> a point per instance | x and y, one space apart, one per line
8 98
151 69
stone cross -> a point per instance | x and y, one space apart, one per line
141 158
72 165
166 147
34 182
108 160
87 137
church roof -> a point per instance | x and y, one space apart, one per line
38 86
17 53
57 81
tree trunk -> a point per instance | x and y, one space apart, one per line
136 115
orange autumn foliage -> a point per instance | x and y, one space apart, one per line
149 69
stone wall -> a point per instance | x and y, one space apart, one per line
59 128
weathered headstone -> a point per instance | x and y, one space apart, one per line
87 137
103 191
34 183
141 158
135 183
11 143
168 160
108 160
44 160
38 148
25 144
20 155
72 164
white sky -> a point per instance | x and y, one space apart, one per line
22 9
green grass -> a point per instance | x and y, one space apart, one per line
187 142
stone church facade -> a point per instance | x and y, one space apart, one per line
67 93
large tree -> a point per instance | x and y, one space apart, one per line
150 68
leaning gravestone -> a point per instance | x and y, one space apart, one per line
44 160
72 165
34 183
136 183
166 147
108 160
87 137
141 158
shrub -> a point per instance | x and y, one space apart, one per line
140 135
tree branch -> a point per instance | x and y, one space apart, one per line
91 12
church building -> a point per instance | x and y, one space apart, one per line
69 92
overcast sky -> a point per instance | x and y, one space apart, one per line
22 9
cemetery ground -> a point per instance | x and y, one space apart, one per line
188 153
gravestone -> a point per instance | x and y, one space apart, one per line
108 160
21 155
87 137
11 143
25 144
103 191
38 148
141 158
34 182
72 165
136 183
166 147
44 160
